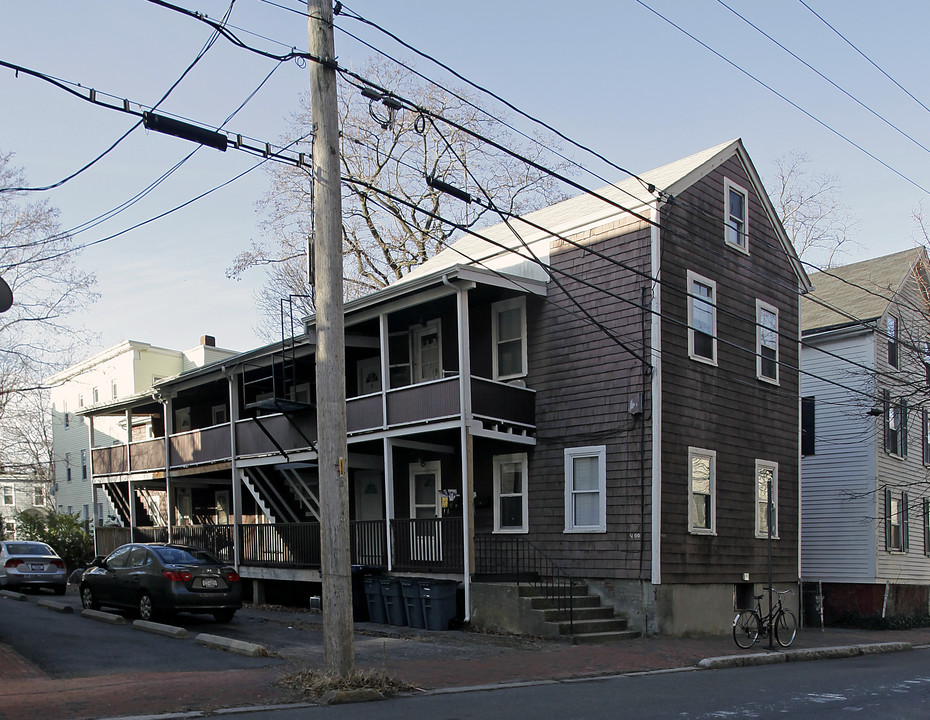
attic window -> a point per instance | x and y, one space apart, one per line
736 214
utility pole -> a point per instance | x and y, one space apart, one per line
332 447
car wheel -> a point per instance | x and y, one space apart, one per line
60 589
145 607
88 600
223 616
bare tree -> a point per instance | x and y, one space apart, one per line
819 224
391 153
37 262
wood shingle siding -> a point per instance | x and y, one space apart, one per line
725 408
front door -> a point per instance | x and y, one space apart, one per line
427 348
425 511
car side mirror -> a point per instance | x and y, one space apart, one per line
97 561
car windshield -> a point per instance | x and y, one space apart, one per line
29 548
182 556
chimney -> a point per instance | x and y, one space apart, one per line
208 341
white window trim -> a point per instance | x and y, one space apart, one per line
600 452
712 454
692 278
760 306
496 309
12 495
773 466
499 460
727 186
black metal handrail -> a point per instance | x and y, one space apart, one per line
514 558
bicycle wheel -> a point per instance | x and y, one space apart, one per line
746 628
786 628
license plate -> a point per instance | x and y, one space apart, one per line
37 568
209 582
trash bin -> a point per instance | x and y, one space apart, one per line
375 601
413 602
359 601
393 601
439 603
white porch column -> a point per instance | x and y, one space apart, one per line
234 470
466 442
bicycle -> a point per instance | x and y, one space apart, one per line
750 625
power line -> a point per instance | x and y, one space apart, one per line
203 51
793 104
866 57
824 77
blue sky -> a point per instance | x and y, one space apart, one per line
611 75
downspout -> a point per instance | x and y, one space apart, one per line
656 350
466 455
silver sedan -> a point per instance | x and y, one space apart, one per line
27 563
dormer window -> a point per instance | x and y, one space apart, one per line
736 214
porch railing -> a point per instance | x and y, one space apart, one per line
514 558
428 545
218 539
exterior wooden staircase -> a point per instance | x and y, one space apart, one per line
590 621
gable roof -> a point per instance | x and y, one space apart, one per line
859 292
498 248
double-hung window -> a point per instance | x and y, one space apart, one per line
83 464
586 489
897 528
926 523
702 318
736 216
766 492
510 499
925 435
508 325
891 328
702 505
68 467
895 425
8 495
766 342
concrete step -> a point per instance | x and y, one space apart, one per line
592 612
581 627
581 601
580 590
603 637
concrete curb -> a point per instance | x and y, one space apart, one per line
805 655
56 606
13 595
103 617
171 631
239 647
344 697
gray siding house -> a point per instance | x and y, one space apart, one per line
597 395
866 376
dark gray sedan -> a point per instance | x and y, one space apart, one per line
156 579
28 563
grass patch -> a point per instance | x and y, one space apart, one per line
313 684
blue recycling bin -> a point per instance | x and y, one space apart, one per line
375 601
413 602
439 603
393 601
